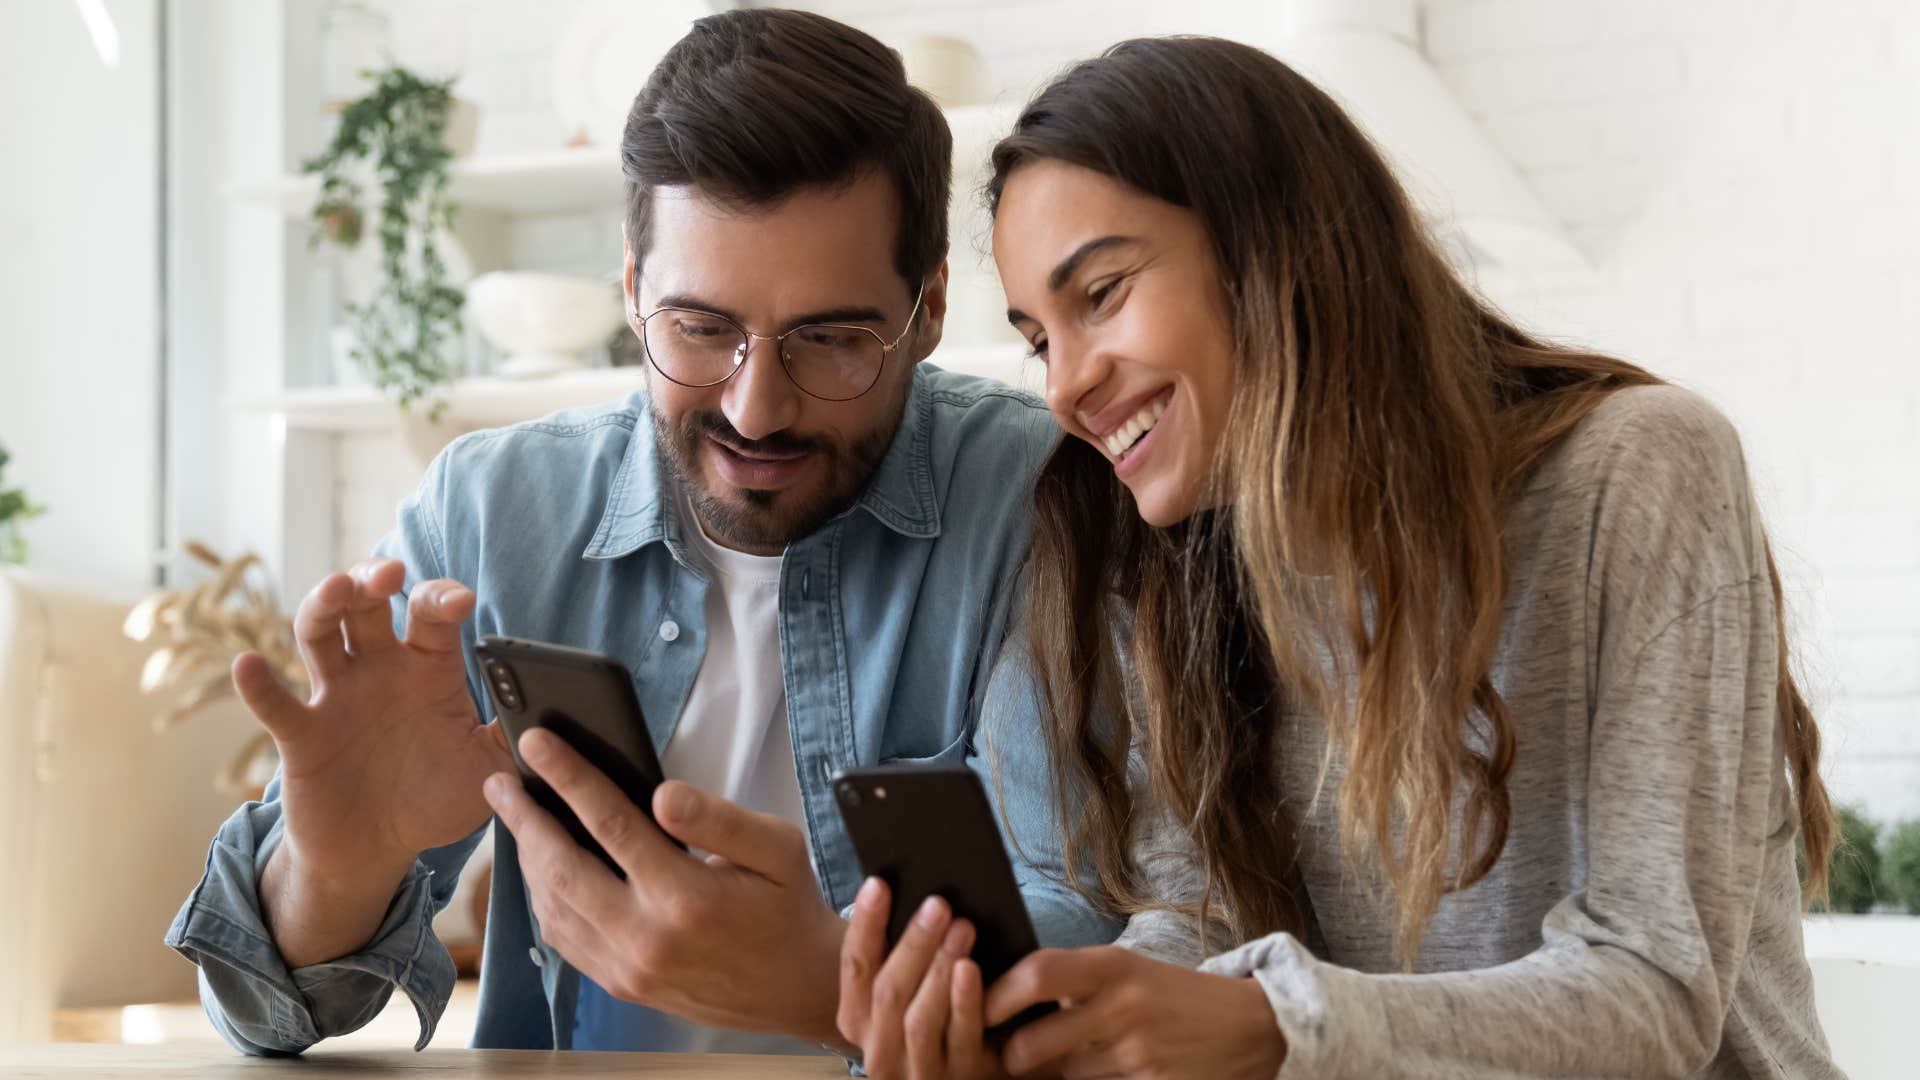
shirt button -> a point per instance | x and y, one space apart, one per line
533 954
669 631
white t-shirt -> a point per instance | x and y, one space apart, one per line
732 738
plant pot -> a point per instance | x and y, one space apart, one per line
343 225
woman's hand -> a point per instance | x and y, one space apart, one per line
914 1012
1124 1015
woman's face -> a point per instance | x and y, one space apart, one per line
1118 294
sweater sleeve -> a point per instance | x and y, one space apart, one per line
1634 973
1171 933
1686 794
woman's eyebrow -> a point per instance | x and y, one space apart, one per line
1063 272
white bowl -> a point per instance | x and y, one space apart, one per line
542 321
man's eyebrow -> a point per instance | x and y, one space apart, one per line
846 313
695 303
1063 272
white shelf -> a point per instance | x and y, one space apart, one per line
559 181
583 179
491 401
484 401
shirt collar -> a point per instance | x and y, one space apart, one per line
640 507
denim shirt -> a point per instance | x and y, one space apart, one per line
898 645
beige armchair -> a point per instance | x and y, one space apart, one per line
104 824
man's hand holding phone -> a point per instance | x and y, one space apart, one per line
383 762
738 938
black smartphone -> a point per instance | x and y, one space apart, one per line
585 698
928 830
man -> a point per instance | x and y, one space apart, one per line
800 542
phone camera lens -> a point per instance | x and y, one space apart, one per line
505 689
849 794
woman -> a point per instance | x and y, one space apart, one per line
1452 691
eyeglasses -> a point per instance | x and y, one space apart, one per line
826 360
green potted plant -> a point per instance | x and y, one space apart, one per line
1853 880
405 333
1900 866
15 508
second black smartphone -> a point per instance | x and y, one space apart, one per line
928 830
585 698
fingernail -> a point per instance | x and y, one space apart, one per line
682 803
931 912
533 746
959 940
493 787
869 895
450 595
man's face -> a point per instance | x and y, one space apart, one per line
766 462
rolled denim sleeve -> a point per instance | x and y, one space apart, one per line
252 998
261 1006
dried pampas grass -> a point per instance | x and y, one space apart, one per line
198 632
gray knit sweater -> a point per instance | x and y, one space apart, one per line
1644 916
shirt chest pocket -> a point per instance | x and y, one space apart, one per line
924 747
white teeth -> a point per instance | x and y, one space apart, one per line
1124 436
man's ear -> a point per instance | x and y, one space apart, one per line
628 285
933 314
630 292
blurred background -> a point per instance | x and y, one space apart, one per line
200 380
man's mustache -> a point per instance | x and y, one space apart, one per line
714 426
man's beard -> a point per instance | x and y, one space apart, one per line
762 523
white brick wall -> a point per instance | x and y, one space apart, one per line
1744 175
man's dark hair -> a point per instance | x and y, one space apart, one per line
754 105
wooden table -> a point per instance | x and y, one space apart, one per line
63 1061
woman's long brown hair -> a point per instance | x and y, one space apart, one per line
1384 417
